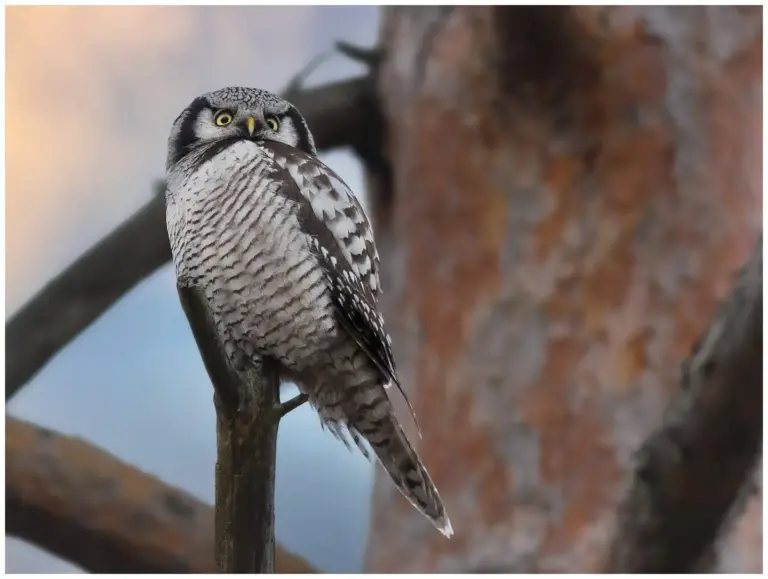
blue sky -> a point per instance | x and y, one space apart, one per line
133 383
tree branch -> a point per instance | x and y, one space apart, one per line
339 114
248 413
690 471
86 506
80 294
245 479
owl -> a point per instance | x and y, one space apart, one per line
279 256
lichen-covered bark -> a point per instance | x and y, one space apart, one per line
574 190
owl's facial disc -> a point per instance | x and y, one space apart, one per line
238 113
224 120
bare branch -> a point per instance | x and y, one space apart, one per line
292 404
690 471
370 57
248 413
245 477
79 295
296 84
339 114
84 505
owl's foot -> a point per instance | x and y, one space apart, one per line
285 407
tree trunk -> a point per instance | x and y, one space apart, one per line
574 189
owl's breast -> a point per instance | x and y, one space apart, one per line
236 235
206 192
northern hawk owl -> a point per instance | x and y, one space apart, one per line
278 251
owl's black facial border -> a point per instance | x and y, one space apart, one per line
301 130
186 137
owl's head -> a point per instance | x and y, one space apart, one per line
237 113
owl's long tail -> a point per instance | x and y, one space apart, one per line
404 466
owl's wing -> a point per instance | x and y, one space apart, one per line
354 299
336 206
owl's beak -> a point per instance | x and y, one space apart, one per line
251 124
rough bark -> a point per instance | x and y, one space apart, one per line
339 114
574 189
247 419
689 472
245 480
82 504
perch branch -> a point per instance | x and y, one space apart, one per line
248 413
84 505
245 478
691 470
339 114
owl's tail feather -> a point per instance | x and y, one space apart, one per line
406 470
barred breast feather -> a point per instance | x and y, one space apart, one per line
321 207
236 234
278 250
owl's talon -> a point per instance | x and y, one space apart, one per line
285 407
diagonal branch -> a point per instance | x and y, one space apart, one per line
692 470
84 505
339 114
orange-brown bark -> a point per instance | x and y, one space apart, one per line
82 504
693 472
574 190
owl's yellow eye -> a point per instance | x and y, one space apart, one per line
223 119
272 123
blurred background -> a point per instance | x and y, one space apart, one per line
90 97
